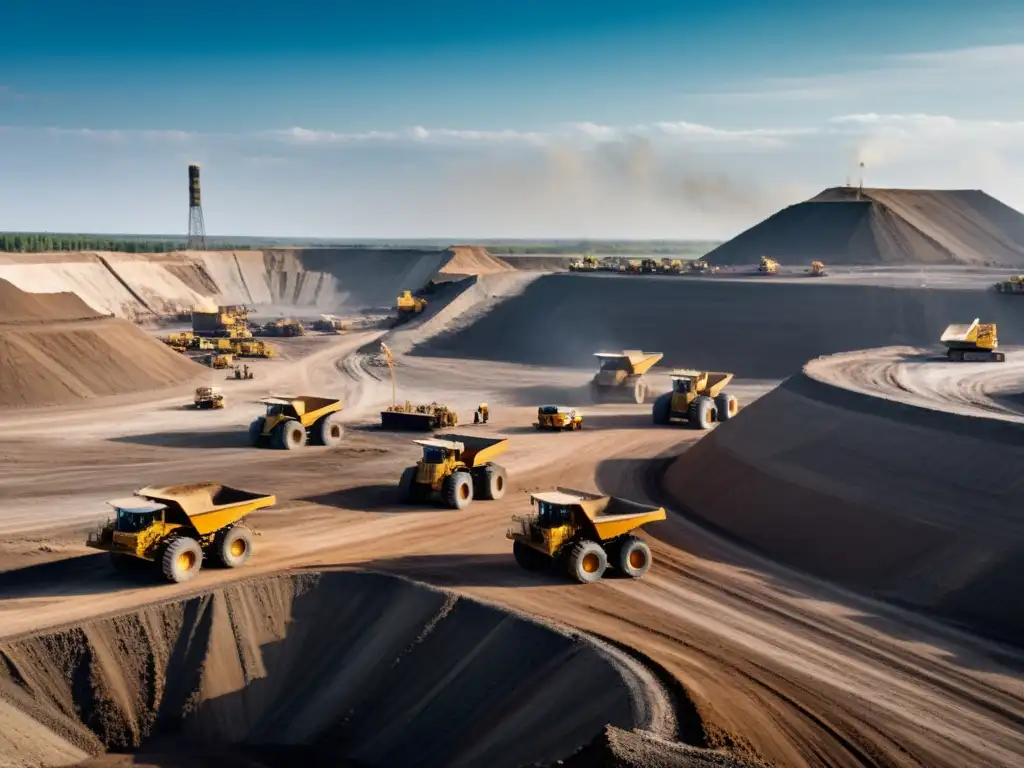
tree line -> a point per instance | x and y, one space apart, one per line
40 242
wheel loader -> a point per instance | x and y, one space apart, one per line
697 397
208 397
818 269
583 533
972 343
620 375
558 418
408 305
768 266
292 421
454 470
176 527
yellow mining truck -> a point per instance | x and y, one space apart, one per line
290 421
208 397
583 533
179 342
407 304
454 470
252 349
701 267
558 418
176 527
972 343
697 397
220 361
818 269
418 418
621 375
586 264
672 266
768 266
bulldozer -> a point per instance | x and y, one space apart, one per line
557 418
768 266
454 470
698 398
584 533
176 527
621 375
975 342
818 269
220 361
252 349
208 397
292 421
409 305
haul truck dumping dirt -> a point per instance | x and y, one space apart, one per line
697 397
455 469
972 343
177 526
584 533
291 421
621 375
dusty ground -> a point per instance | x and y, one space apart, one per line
775 664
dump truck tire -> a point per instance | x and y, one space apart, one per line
458 490
700 413
256 432
726 406
587 562
661 411
492 479
181 560
407 486
327 431
529 559
633 558
289 435
234 546
640 393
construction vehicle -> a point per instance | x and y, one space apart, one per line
329 324
588 263
558 418
482 414
228 321
242 373
179 342
972 343
176 527
768 266
283 328
621 375
290 421
649 267
253 349
1014 284
454 470
818 269
698 398
701 267
584 533
409 305
208 397
418 418
220 361
672 266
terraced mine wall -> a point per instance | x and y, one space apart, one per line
912 505
756 329
335 668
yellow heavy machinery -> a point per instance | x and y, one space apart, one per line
558 418
220 361
454 470
768 266
176 527
482 414
230 321
818 269
584 533
701 267
649 267
672 266
284 328
290 421
1015 284
208 397
408 305
698 398
329 324
418 418
588 263
620 375
253 349
179 342
972 343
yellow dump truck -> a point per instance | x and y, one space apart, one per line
176 527
697 397
818 269
418 418
179 342
768 266
208 397
407 304
252 349
620 375
972 343
290 421
558 418
220 361
586 264
701 267
584 533
454 470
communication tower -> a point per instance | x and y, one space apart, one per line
196 227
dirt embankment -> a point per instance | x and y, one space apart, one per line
328 668
910 504
754 329
473 260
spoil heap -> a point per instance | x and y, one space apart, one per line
845 226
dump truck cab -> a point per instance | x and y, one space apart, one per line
289 422
697 397
558 417
584 532
620 375
454 470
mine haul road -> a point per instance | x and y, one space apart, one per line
777 665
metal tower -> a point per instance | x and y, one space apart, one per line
196 227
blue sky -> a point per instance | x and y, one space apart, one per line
527 119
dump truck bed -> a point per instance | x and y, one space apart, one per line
612 516
209 506
309 407
638 362
478 450
958 333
